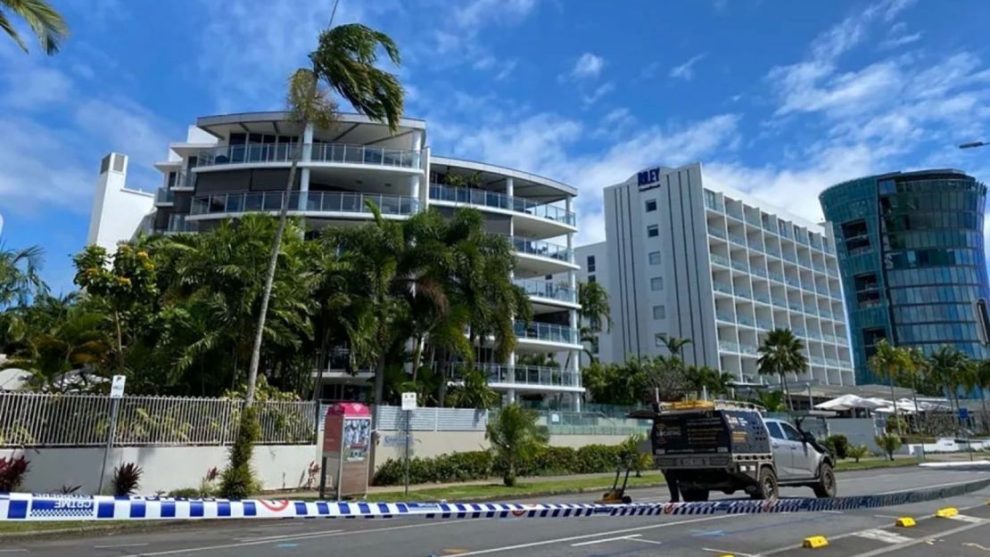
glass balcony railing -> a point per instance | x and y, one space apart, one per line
717 232
742 320
312 202
547 332
485 198
177 224
777 277
543 249
164 197
762 297
724 316
721 260
320 152
361 154
738 348
740 265
542 376
737 239
758 271
744 293
548 289
722 287
764 324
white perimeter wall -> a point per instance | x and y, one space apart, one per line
165 468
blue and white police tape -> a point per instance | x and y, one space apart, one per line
30 507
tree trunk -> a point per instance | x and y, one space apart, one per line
787 392
893 400
986 418
120 342
917 411
283 217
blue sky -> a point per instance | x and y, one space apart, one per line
774 97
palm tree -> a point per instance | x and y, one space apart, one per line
949 368
594 312
19 275
889 361
918 371
514 437
982 376
782 353
75 343
674 345
705 379
47 25
345 61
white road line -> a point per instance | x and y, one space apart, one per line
288 536
640 540
586 536
13 551
726 552
606 540
965 518
119 545
920 487
321 535
882 536
904 545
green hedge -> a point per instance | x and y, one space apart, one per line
480 465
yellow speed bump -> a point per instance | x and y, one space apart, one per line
906 522
815 542
947 512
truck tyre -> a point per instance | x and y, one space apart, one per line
695 495
826 482
766 488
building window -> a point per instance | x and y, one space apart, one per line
654 258
591 263
651 205
653 231
656 283
659 312
591 278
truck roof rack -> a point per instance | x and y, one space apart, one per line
696 405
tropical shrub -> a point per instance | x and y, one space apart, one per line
515 438
126 479
187 493
12 472
839 444
889 444
857 452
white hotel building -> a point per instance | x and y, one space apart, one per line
719 268
234 164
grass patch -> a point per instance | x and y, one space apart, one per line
521 490
875 463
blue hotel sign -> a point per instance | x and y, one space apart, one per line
648 179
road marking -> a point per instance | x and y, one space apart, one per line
640 540
926 487
606 540
333 534
586 536
13 551
882 536
976 545
904 545
281 537
119 545
724 552
964 518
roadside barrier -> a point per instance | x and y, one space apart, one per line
40 507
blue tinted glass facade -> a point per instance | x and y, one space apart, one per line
910 250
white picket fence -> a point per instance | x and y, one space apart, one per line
54 420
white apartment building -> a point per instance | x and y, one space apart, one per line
234 164
719 268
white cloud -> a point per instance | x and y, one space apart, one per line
588 66
475 13
597 93
897 36
686 70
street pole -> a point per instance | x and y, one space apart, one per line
408 414
114 402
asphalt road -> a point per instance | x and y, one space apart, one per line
863 533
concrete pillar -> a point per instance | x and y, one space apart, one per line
424 185
306 155
576 401
511 395
509 187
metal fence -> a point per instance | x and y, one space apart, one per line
51 420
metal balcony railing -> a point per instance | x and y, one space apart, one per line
485 198
313 202
319 152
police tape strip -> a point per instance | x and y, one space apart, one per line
30 507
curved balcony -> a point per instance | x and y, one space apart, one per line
310 203
547 289
333 153
495 200
546 332
537 378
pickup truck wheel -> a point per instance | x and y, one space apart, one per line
766 487
826 482
694 495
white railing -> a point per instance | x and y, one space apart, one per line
319 152
485 198
51 420
310 202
